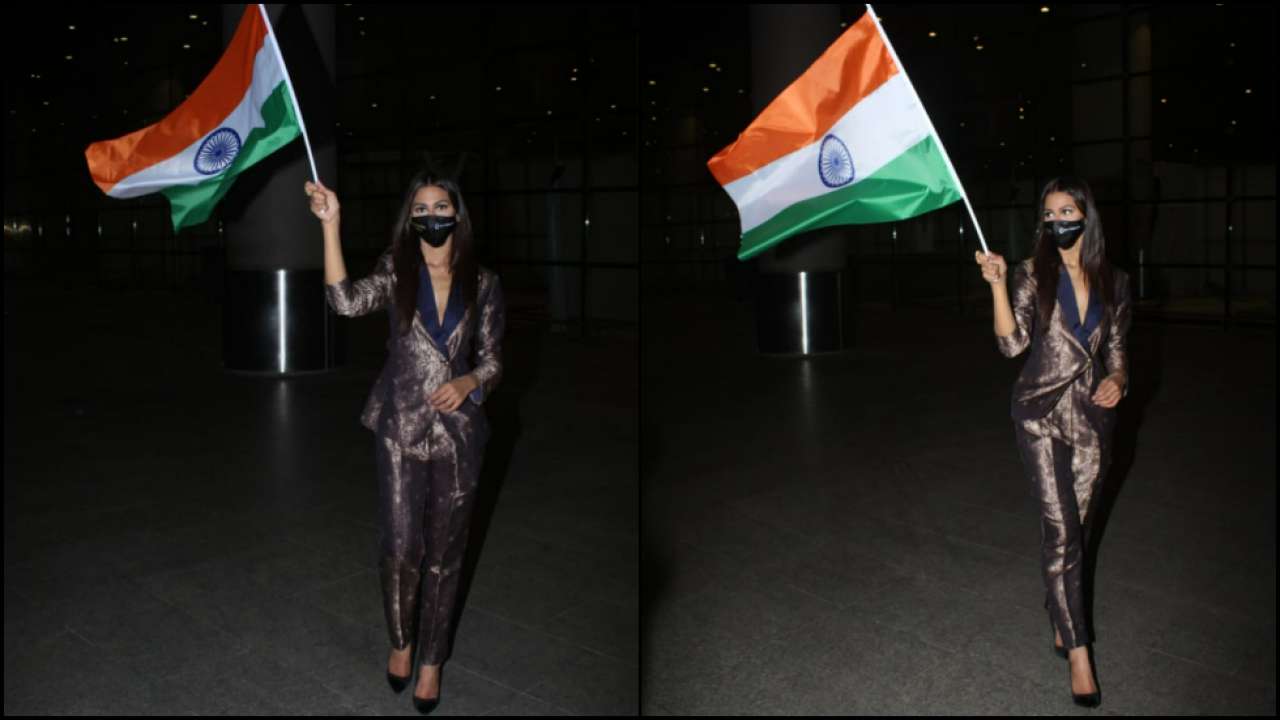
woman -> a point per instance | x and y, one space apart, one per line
1072 307
424 408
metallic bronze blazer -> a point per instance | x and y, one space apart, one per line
397 407
1058 361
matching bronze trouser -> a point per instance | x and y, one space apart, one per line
424 517
1064 477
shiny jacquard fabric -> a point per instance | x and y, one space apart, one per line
1058 360
428 461
1064 439
397 407
424 518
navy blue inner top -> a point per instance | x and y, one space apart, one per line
430 314
1067 301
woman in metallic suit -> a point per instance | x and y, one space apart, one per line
1072 308
424 408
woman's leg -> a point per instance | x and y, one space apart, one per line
402 496
1048 462
451 501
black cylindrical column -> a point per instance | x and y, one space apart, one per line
799 305
275 318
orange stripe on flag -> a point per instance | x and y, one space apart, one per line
110 161
852 68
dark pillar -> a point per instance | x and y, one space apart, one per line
275 318
799 307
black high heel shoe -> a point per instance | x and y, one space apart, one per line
1093 699
426 706
397 683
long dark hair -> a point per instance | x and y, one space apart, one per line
407 255
1093 249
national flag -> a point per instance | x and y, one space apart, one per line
848 142
242 112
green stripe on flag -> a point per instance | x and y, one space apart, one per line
912 184
192 204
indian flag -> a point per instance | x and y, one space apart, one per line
241 113
847 143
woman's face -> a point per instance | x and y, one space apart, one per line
432 200
1060 206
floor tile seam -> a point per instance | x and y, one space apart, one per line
591 599
767 523
1227 611
547 634
1143 544
463 665
339 615
190 619
560 710
1216 670
954 538
145 589
564 711
1019 672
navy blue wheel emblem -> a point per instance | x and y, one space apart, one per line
835 163
217 151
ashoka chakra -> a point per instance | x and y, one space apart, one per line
217 151
835 163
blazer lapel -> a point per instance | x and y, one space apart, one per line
1064 328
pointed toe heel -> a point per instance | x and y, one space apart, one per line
1091 700
398 683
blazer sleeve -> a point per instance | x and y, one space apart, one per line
492 325
1024 312
365 295
1115 352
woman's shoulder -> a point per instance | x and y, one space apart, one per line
486 276
386 260
1026 270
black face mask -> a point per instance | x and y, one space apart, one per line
1064 232
434 230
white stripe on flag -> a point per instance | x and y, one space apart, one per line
884 125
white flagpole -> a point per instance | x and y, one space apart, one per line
956 178
271 34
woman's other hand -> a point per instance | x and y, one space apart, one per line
1109 391
324 203
993 266
449 396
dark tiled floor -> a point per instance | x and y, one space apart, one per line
854 533
179 540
